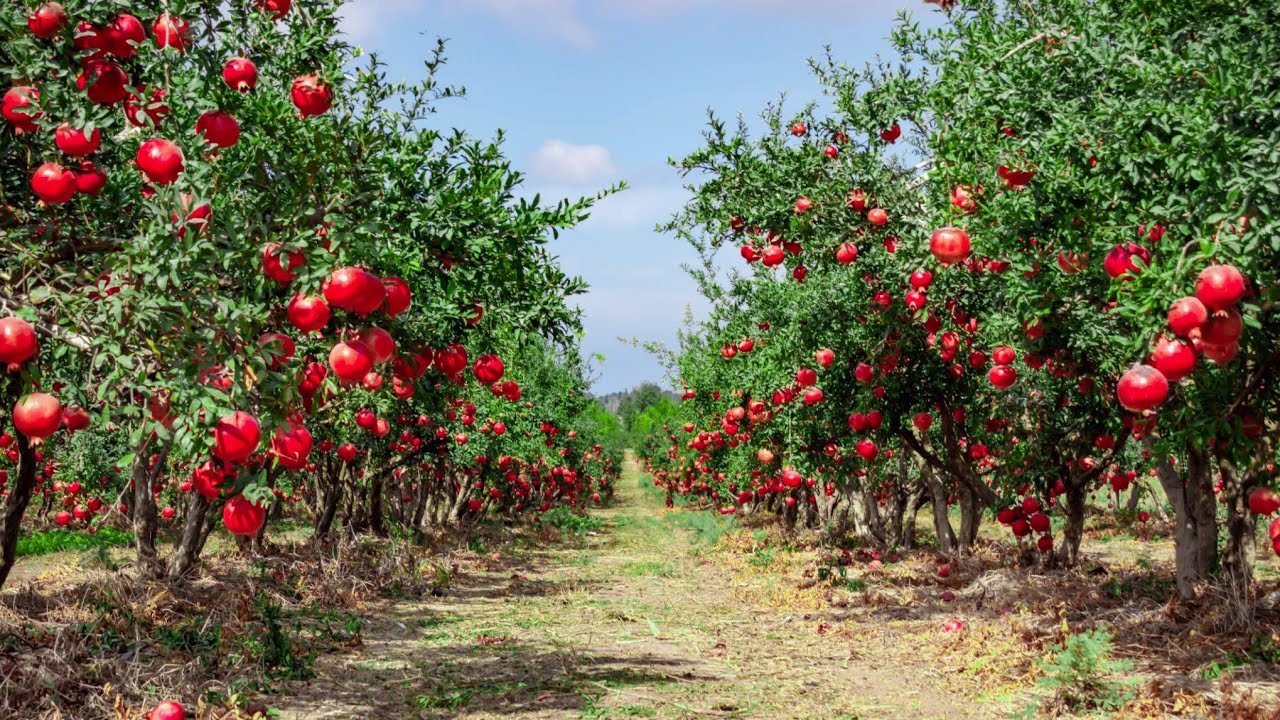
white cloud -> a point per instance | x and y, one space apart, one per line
558 161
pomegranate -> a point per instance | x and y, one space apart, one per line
310 95
354 289
308 313
53 184
274 268
1186 315
171 32
236 437
398 295
291 445
242 517
846 253
91 179
488 368
277 8
351 361
1263 501
279 349
1174 359
47 20
1219 287
1220 354
124 34
347 452
803 205
949 245
877 216
75 142
160 160
892 134
867 450
1223 328
1142 388
105 82
923 421
19 108
18 342
921 279
218 128
148 114
240 74
1002 376
37 416
168 710
380 343
1003 355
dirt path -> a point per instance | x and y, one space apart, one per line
633 621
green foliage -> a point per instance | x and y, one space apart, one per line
571 521
1082 675
52 541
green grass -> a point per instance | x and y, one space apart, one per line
565 519
52 541
648 569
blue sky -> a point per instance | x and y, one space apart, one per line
590 92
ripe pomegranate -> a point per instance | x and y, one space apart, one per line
846 253
488 369
351 361
281 272
242 517
877 216
1003 355
123 36
803 205
1220 354
1142 388
1071 263
1219 287
398 295
218 128
291 445
53 184
1002 376
963 199
160 160
1174 359
90 179
1263 501
47 20
148 114
168 710
19 108
18 342
279 348
867 450
923 421
105 82
949 245
380 343
892 134
310 95
37 416
1223 328
799 129
171 32
347 452
354 289
812 396
308 313
823 356
277 8
1187 315
236 437
240 74
921 279
74 141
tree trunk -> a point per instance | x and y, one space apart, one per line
376 523
1069 549
1195 520
332 498
941 520
15 505
187 549
970 517
144 511
1239 550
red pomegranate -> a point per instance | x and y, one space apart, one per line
1219 287
291 446
310 95
877 216
168 710
867 450
279 349
74 141
398 296
380 343
1263 501
949 245
218 128
53 184
1186 315
236 437
347 452
1220 354
47 20
846 253
1142 388
1174 359
354 289
277 8
1002 376
19 108
1003 355
160 160
18 342
240 74
171 32
351 361
277 269
37 416
242 517
308 313
105 82
124 34
90 179
488 369
923 421
1223 328
148 114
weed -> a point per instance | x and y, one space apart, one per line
565 519
52 541
1080 677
